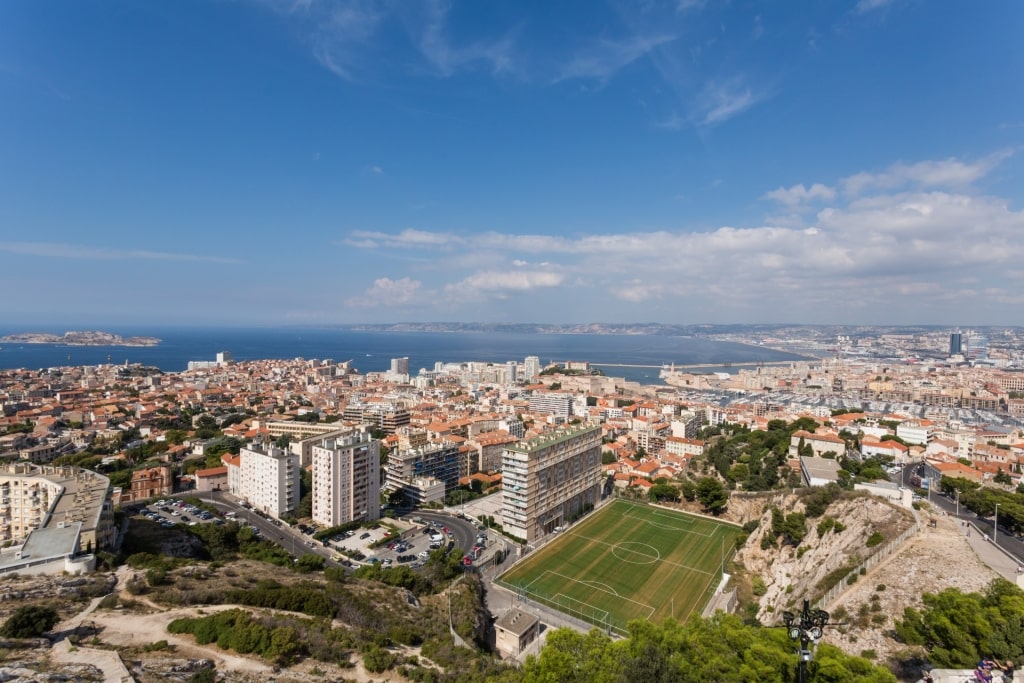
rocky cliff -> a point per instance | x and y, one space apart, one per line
781 574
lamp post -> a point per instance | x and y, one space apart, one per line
995 528
806 626
958 503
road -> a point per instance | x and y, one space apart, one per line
463 532
1004 540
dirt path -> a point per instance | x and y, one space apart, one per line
130 629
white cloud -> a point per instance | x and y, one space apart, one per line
498 284
951 173
798 194
909 248
388 292
637 291
75 251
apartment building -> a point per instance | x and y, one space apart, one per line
42 496
916 431
151 482
269 478
387 417
552 404
443 461
297 430
550 480
346 479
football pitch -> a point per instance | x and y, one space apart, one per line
627 561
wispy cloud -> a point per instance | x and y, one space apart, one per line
604 58
720 101
75 251
348 36
431 35
408 238
865 6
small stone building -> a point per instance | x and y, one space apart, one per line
515 631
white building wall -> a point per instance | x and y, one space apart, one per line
269 479
346 480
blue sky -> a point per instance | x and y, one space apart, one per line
303 162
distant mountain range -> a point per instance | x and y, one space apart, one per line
692 330
87 338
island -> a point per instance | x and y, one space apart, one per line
72 338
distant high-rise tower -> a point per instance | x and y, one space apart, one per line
400 366
531 368
956 343
510 372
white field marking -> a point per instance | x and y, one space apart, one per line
604 586
674 564
569 578
706 586
650 559
664 525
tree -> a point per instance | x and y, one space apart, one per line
29 621
1002 477
712 494
957 628
720 649
663 491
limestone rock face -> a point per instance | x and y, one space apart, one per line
790 573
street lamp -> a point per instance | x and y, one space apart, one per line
806 627
995 528
958 503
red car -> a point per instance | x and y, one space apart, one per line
467 560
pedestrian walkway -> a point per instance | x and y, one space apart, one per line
989 553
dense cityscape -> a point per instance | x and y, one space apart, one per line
441 341
320 450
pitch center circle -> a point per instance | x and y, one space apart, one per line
634 552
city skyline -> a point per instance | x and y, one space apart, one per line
280 162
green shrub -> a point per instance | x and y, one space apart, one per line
29 621
875 539
156 576
377 660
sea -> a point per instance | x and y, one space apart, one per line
637 358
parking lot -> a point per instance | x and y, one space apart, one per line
167 513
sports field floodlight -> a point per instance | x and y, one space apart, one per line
808 626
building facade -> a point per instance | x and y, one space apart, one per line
442 461
269 478
346 479
550 480
36 497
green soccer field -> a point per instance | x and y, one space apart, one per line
627 561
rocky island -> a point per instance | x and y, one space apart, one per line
87 338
